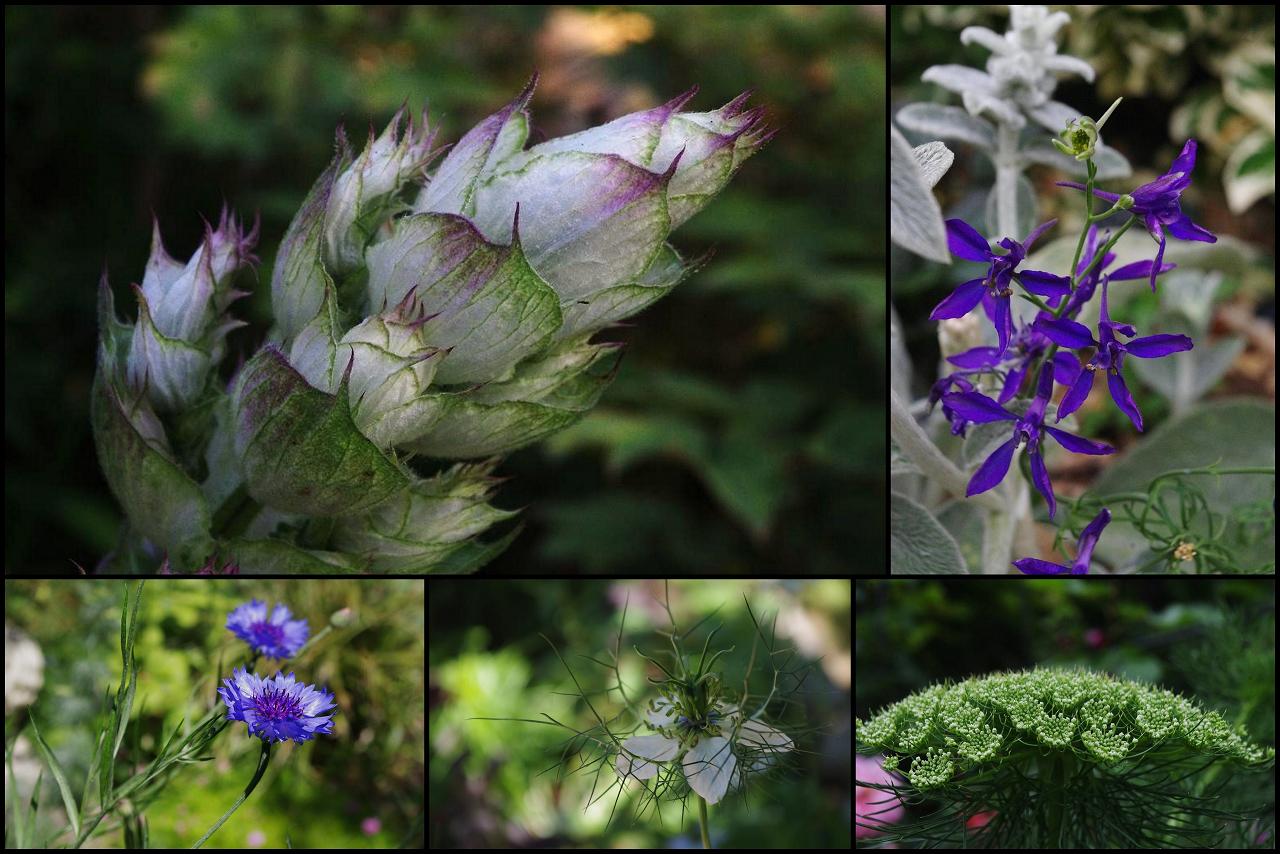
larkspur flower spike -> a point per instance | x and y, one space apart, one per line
276 636
278 708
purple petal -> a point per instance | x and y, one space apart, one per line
1158 263
1077 444
1012 382
1044 390
1159 193
1120 394
993 469
1035 566
1089 539
959 302
1138 270
1003 320
977 407
1155 346
1185 162
1066 368
1102 194
1184 229
1078 393
1040 477
1035 234
965 242
1044 284
978 357
1090 249
1067 333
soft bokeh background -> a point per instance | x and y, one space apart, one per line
361 788
745 430
488 788
1215 641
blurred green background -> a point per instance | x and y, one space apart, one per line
360 788
745 430
488 786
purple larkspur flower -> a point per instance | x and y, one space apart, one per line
994 289
944 385
1109 357
1029 428
277 637
1159 204
279 708
1025 349
1084 551
1087 284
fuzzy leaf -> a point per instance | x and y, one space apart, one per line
919 544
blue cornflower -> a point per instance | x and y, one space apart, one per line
1029 428
1084 552
1109 357
279 708
994 289
278 637
1159 204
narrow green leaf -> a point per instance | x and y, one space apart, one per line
60 777
29 833
19 827
90 778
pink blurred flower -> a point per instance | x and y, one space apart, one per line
370 826
873 805
256 839
980 819
1094 638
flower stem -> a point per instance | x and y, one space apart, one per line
702 822
257 775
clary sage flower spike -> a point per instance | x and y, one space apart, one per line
425 307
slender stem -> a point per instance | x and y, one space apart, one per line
257 775
916 446
1088 216
1008 168
702 821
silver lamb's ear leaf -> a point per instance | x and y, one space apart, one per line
161 501
939 121
934 160
299 447
915 220
920 544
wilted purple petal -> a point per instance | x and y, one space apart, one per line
1035 566
1088 540
1040 477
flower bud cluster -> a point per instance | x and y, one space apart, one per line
971 722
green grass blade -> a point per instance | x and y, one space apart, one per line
90 778
17 823
30 832
59 777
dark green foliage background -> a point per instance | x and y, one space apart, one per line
745 430
318 793
499 783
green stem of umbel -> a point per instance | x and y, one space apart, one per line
702 822
257 775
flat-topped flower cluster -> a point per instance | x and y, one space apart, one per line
1097 717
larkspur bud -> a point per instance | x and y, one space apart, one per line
1080 138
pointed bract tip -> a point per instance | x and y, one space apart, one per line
736 105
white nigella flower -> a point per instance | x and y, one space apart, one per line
715 750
